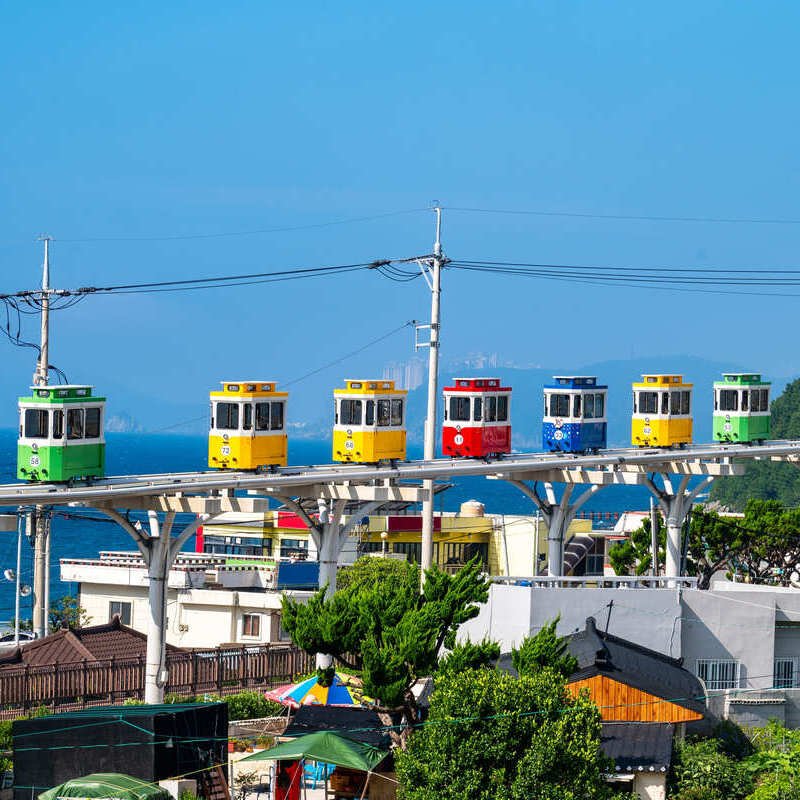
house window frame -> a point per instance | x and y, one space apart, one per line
710 672
125 609
249 618
780 682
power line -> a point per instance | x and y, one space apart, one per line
352 353
179 237
627 217
567 274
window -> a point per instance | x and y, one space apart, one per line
251 625
459 409
576 407
729 400
759 400
559 405
397 412
117 608
599 406
276 418
648 402
588 406
718 674
686 402
370 413
491 409
247 420
384 413
75 423
35 424
785 673
294 548
262 417
350 412
477 409
227 416
502 408
92 423
665 403
58 424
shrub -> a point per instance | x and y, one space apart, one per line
704 772
251 705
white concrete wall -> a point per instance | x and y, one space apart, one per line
726 625
650 785
195 617
650 617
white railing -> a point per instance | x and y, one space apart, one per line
597 581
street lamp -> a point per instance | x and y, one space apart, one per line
21 589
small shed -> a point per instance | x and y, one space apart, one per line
150 742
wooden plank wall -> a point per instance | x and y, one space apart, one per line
621 703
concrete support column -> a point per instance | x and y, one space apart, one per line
557 514
158 550
675 505
158 564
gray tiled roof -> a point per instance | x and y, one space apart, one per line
638 746
600 653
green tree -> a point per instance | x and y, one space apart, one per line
382 627
67 612
470 655
758 546
767 480
635 554
545 650
490 736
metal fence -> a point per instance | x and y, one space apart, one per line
219 671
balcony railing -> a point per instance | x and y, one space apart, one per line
597 582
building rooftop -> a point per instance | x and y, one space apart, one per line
601 653
94 643
638 746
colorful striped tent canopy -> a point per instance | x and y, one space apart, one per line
343 691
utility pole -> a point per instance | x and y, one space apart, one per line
41 544
653 538
434 282
40 377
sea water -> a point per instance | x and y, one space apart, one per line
82 533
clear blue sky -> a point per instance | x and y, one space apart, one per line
148 119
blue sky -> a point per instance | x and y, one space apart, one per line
145 120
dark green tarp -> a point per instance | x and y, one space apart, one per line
324 746
107 785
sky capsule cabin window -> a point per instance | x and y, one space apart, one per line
228 416
35 423
276 419
397 412
559 405
92 423
459 409
75 423
350 413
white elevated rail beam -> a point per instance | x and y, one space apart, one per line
293 481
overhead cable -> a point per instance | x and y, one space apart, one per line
627 217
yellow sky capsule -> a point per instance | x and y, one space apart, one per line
369 422
662 411
248 426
